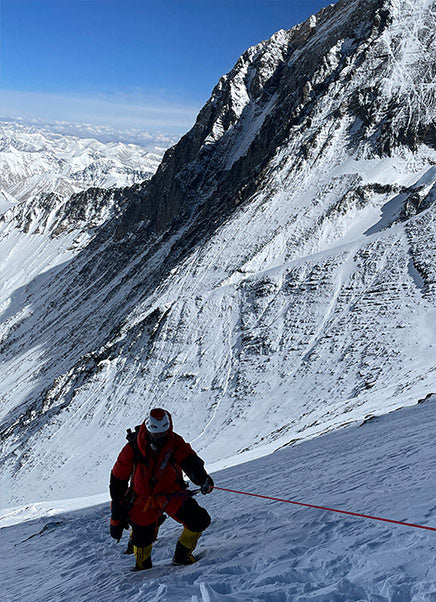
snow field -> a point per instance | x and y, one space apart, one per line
259 550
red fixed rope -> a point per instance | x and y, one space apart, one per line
276 499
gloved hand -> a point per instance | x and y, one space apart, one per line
116 529
207 486
119 510
119 519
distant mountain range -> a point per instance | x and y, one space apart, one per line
274 280
102 133
38 160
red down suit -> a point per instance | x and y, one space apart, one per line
155 475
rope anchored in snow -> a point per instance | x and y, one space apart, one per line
276 499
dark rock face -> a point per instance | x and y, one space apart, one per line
48 211
281 82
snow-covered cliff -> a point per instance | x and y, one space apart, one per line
274 280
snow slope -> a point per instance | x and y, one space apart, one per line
258 550
41 223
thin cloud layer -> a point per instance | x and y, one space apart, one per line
118 110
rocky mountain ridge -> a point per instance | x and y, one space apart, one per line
273 280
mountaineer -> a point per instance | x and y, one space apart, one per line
147 483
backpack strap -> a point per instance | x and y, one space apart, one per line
132 438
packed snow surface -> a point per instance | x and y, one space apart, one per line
255 549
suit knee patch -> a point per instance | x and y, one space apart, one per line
193 516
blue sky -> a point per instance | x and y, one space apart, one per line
149 64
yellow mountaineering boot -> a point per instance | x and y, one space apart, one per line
143 558
185 546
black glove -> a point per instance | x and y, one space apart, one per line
207 486
119 511
116 528
119 519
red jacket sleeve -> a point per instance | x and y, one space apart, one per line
123 467
182 450
191 464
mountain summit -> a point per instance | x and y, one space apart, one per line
274 280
